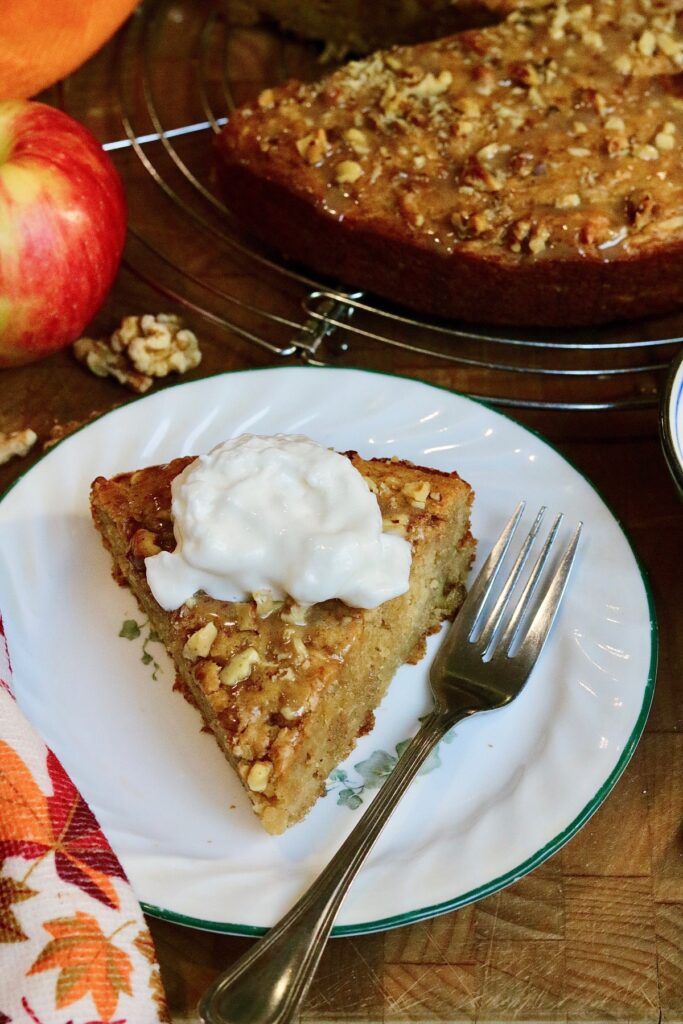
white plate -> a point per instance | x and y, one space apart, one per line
512 785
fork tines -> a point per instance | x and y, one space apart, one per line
481 621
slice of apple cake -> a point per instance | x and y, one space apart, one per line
287 688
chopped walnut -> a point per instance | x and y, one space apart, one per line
266 99
623 64
198 644
431 85
301 656
396 523
266 603
568 201
469 225
313 147
418 490
538 239
157 345
103 362
616 145
665 138
488 152
296 615
258 776
526 74
143 347
640 209
646 152
347 172
647 44
16 443
357 140
239 667
291 714
144 544
596 230
593 39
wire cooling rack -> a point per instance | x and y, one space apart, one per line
159 93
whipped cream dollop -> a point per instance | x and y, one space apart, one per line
281 514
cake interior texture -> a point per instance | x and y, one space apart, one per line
288 690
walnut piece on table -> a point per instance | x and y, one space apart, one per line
16 443
142 347
157 345
101 360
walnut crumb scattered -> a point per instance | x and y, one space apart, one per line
16 443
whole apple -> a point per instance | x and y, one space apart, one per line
62 229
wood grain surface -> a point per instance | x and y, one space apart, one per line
596 933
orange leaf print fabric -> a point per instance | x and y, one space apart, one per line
25 828
74 947
62 823
88 962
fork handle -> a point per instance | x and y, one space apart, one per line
268 984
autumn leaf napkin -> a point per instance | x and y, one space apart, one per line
74 946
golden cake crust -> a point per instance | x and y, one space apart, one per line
273 679
524 173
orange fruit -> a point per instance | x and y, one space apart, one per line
43 40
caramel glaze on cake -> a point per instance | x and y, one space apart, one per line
288 690
526 173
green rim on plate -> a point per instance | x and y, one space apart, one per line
551 847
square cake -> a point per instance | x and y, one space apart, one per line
288 689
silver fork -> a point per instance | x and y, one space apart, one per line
482 664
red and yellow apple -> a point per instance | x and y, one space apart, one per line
62 229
